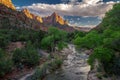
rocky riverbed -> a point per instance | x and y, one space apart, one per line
74 67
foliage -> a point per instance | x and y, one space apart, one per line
5 63
22 35
3 40
40 72
104 55
111 19
45 68
75 34
55 38
91 40
28 56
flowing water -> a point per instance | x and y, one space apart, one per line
74 67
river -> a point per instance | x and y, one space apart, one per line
74 67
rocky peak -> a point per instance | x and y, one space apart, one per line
7 3
55 14
55 19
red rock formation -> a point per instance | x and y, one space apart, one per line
55 19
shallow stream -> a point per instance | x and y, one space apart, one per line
74 67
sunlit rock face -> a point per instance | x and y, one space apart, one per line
27 13
32 16
8 3
39 19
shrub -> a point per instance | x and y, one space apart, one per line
48 66
27 56
104 55
40 72
5 63
91 40
3 41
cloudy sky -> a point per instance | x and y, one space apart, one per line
87 13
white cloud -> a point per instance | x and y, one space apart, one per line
17 7
86 8
81 9
92 1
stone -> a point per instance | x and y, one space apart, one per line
79 73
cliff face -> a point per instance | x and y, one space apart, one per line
11 18
7 3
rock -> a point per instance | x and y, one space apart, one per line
79 73
32 16
78 62
62 75
71 68
54 19
56 72
47 71
7 3
65 64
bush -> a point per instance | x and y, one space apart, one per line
48 66
91 40
6 64
115 44
55 64
3 41
104 55
74 35
27 56
40 72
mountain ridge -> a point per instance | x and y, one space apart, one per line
26 19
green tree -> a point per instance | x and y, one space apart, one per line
104 55
91 40
55 38
108 37
111 19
